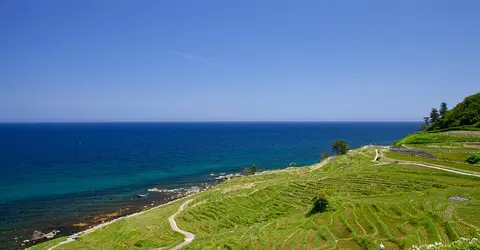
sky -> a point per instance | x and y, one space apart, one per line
248 60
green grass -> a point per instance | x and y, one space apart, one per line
48 244
453 165
146 231
445 137
452 156
399 205
445 147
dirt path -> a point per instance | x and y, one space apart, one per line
376 156
321 164
188 236
438 167
90 230
69 239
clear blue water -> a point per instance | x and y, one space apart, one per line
52 172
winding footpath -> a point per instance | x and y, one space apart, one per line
376 156
436 167
188 236
69 239
321 164
421 164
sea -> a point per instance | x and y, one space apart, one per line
55 175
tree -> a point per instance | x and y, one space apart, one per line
320 205
246 171
443 109
434 115
425 124
340 147
250 171
473 159
325 155
426 120
423 127
253 169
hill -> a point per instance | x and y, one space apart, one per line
465 115
375 196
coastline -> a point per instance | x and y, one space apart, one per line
187 193
67 191
72 237
176 195
106 223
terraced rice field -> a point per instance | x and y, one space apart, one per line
399 205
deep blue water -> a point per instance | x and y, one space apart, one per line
51 172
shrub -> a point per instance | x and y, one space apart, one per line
340 147
250 171
473 159
320 205
325 155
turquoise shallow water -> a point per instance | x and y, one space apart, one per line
54 173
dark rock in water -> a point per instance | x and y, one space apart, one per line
51 234
38 235
141 195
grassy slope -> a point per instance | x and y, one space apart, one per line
398 205
145 231
444 137
453 165
451 148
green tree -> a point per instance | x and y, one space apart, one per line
443 109
466 113
473 159
320 205
325 155
253 169
426 123
340 147
246 171
426 120
423 127
434 115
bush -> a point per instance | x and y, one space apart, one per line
325 155
251 170
473 159
320 205
340 147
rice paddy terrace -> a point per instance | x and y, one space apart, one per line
387 201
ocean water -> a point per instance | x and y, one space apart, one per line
54 174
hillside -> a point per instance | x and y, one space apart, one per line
464 115
375 196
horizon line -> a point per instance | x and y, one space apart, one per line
211 121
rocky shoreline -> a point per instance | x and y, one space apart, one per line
154 197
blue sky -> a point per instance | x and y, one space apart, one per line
243 60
